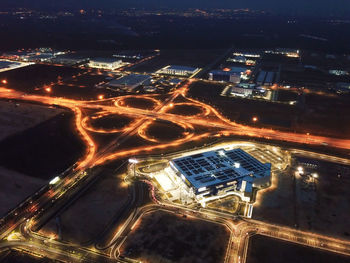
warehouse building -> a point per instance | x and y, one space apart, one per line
232 74
241 92
266 78
130 82
175 70
105 63
211 175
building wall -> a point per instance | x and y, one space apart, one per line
105 65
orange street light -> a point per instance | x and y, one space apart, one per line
100 97
48 89
255 119
4 81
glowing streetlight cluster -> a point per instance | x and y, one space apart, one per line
208 123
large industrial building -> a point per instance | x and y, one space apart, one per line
178 71
130 82
232 74
266 78
71 59
6 65
217 173
241 92
105 63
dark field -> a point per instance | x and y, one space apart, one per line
286 96
267 250
110 122
311 78
191 58
68 82
243 110
98 208
168 31
80 93
329 115
320 115
320 207
88 79
139 103
164 131
185 110
44 150
18 257
165 237
31 79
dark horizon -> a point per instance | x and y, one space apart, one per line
312 8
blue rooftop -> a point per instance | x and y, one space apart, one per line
219 167
132 79
7 64
185 68
105 60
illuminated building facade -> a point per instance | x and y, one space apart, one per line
232 74
218 173
130 82
178 71
105 63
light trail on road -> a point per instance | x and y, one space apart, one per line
206 124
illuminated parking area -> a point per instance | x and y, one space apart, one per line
274 155
172 186
164 180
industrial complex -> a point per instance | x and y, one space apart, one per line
176 70
130 82
216 173
105 63
136 131
169 151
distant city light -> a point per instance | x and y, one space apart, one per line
48 89
4 81
315 175
100 97
255 119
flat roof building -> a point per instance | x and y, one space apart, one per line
241 91
6 65
265 78
176 70
215 173
71 59
105 63
130 82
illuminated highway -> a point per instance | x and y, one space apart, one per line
208 123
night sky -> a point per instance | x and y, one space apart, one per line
295 7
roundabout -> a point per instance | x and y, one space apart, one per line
188 109
165 131
106 122
139 102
